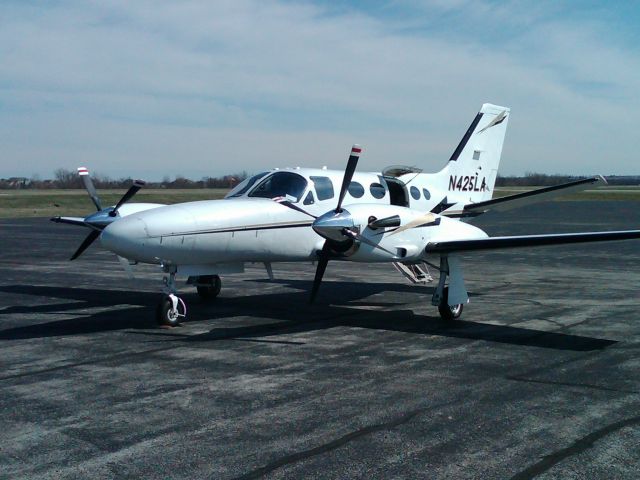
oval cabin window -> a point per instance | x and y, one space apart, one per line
377 190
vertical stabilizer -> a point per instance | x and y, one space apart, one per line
470 174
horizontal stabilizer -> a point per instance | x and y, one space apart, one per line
518 200
497 243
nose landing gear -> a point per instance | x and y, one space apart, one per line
171 308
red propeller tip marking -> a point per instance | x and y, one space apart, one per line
83 171
356 150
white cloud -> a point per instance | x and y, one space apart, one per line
201 88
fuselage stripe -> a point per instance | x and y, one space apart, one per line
237 229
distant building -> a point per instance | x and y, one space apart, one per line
17 182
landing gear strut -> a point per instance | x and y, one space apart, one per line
171 308
441 295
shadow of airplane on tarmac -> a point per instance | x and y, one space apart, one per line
289 310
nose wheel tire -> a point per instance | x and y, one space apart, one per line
449 312
171 310
211 289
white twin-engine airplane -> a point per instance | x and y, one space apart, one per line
401 216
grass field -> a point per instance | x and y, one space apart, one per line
49 203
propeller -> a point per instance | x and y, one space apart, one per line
102 217
338 228
329 224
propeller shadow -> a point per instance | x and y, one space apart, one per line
290 311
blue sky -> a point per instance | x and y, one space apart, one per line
200 88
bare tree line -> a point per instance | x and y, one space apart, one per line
68 179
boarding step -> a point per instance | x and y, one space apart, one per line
414 273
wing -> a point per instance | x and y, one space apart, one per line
518 200
496 243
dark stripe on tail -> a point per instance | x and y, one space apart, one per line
465 139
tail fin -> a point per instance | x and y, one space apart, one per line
471 172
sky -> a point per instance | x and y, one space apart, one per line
150 89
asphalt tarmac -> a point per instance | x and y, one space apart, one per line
540 378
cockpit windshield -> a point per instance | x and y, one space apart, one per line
281 184
244 185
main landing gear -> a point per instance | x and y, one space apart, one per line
449 312
172 309
208 286
449 268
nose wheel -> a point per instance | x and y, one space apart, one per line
171 309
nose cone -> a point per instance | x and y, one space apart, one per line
125 237
331 224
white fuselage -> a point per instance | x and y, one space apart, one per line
248 226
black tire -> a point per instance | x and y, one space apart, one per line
164 315
447 312
209 292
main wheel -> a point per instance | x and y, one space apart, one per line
211 291
449 312
165 313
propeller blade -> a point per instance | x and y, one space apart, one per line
348 174
88 185
422 221
133 189
323 260
287 203
363 239
127 267
70 220
87 241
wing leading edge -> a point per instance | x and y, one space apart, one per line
497 243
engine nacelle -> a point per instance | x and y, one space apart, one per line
406 241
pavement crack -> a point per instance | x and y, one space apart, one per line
575 448
334 444
569 384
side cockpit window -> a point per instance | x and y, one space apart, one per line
281 184
324 187
244 186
